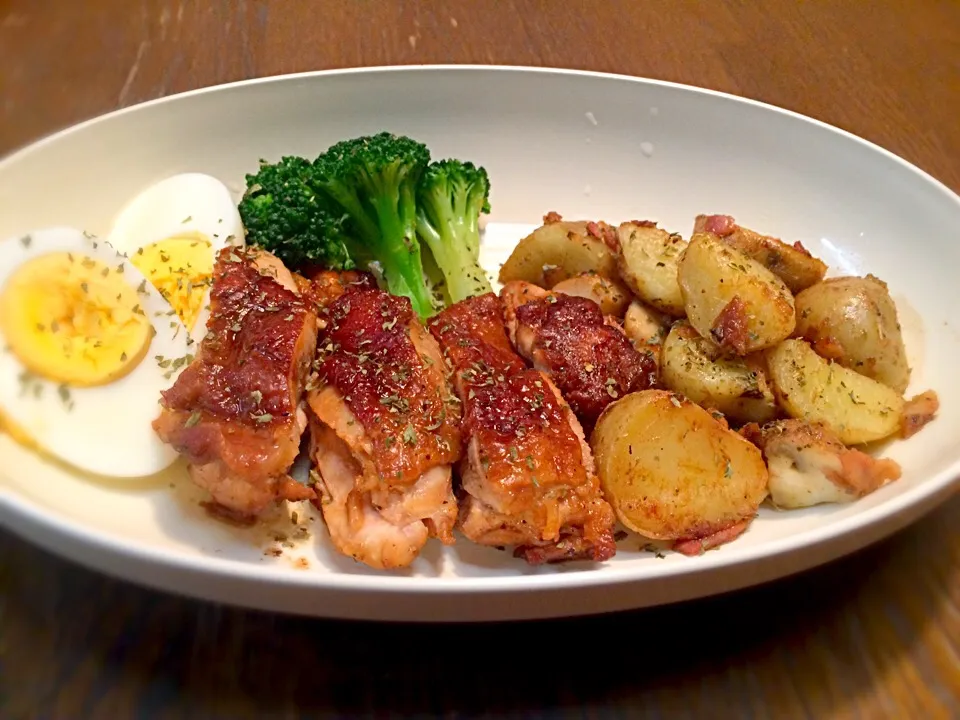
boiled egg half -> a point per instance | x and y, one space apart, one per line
87 344
172 232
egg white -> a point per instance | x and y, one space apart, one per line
105 430
177 205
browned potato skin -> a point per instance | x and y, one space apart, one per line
853 320
647 258
795 266
711 275
672 471
693 366
560 249
612 296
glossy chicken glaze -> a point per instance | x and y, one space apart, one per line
234 411
589 358
527 472
384 426
368 353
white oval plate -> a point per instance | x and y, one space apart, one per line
583 144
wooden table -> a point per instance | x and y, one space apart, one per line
876 635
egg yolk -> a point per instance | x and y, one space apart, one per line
181 269
74 320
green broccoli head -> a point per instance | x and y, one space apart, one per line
452 195
373 181
364 203
284 214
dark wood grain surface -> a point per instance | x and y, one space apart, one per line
876 635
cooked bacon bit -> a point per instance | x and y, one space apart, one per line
644 223
698 546
862 473
919 411
753 433
552 217
730 327
798 246
367 354
721 225
828 347
604 232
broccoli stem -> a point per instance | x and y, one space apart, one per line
403 273
452 233
391 240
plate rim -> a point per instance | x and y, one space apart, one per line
53 135
929 493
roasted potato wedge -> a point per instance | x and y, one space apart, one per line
694 366
672 471
611 295
644 325
853 320
791 263
855 408
561 249
733 299
648 265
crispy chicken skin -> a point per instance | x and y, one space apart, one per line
384 428
325 286
234 412
587 356
527 475
809 465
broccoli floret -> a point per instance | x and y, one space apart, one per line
373 180
284 214
451 197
